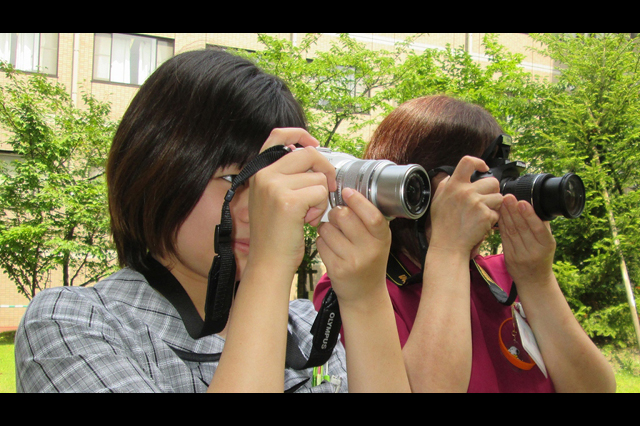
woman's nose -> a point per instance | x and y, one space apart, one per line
240 204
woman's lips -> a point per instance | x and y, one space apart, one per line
241 245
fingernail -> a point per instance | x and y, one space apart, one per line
347 193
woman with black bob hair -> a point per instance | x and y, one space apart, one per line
191 128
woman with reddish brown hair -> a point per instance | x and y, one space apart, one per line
454 308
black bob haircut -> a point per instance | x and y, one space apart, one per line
198 112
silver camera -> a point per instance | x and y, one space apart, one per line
397 191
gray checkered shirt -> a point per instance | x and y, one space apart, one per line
122 336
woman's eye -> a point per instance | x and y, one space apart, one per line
228 178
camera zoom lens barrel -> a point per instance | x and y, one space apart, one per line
397 191
402 191
566 195
550 196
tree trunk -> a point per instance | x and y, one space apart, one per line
623 265
67 258
302 282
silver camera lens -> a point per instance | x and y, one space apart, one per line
397 191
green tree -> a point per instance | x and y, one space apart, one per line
500 85
350 86
341 90
589 123
53 197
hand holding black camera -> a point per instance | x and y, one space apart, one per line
550 196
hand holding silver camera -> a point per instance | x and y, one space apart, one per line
397 191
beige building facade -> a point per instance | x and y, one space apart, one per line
111 67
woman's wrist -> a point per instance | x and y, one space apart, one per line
368 302
440 254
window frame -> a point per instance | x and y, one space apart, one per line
46 60
104 63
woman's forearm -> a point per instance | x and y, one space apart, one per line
374 356
438 351
572 360
254 355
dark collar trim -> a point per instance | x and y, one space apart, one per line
396 272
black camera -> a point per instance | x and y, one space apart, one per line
550 196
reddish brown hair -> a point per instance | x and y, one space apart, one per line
431 131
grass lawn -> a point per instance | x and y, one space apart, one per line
627 382
626 366
7 363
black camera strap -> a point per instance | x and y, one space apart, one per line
325 331
222 284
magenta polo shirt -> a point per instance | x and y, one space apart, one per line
490 369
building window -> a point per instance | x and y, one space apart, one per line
129 59
31 52
350 92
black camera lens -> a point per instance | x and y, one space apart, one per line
563 195
416 192
550 196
